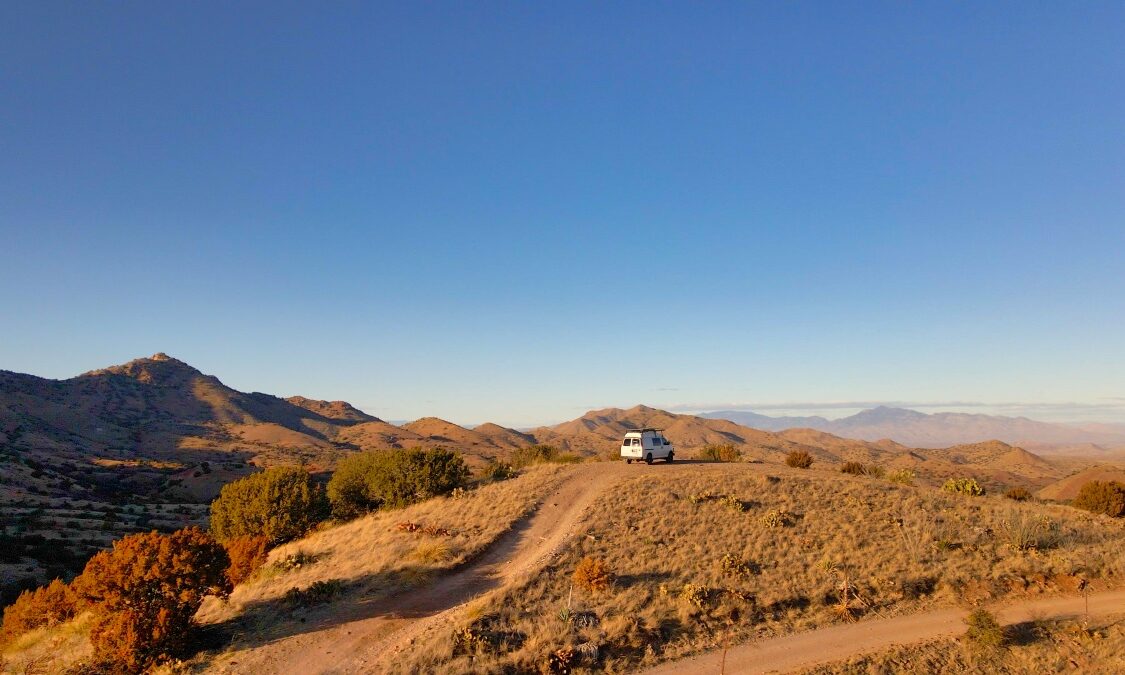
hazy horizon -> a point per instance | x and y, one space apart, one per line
517 213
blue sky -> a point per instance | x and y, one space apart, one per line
519 211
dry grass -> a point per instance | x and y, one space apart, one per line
373 555
50 649
693 574
1041 647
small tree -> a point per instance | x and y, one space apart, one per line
146 592
281 503
45 606
393 478
799 459
1106 497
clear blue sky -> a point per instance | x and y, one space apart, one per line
519 211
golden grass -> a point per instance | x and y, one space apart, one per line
49 649
1040 647
835 548
374 556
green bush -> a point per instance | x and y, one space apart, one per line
1106 497
281 503
963 486
984 630
799 459
498 471
533 454
393 478
721 452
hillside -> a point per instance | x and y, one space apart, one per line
937 430
149 443
1067 488
705 556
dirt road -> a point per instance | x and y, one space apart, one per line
379 631
810 648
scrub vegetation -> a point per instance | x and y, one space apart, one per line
804 551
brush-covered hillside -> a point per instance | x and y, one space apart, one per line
149 443
607 567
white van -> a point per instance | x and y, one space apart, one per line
646 444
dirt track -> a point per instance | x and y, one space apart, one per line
364 638
810 648
381 630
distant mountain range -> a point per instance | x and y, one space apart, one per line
149 443
937 430
158 429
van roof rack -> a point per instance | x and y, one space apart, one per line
642 430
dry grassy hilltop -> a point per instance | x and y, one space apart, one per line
698 552
693 557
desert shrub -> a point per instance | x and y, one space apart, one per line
799 459
734 503
902 477
984 630
776 518
1102 497
393 478
735 566
318 593
246 555
496 471
593 574
295 561
281 503
559 662
1019 494
853 468
1026 532
696 596
963 486
46 606
146 592
533 454
721 452
873 470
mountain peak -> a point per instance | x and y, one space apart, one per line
156 369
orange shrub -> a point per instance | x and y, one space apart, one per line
593 574
246 555
45 606
146 592
799 459
1106 497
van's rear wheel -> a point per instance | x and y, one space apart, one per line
628 461
648 458
671 457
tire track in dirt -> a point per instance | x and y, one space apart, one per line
392 623
837 643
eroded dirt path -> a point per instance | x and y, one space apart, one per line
803 650
380 630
